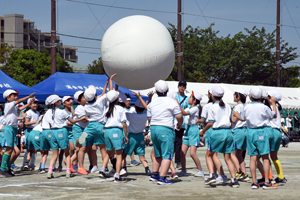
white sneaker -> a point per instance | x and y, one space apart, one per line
199 174
94 169
219 179
123 172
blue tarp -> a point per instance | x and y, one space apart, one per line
66 84
7 82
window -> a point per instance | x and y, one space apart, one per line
2 22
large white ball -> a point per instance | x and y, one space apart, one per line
140 50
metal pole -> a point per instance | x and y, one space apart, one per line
179 53
53 37
278 44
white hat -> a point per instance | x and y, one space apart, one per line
112 95
122 97
9 92
161 86
28 100
139 104
241 91
171 94
277 95
255 92
217 91
77 94
264 93
47 101
197 95
90 93
66 98
53 99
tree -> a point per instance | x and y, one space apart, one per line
5 50
96 67
63 66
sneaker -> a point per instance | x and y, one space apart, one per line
279 180
174 175
68 175
94 169
238 175
135 163
164 181
148 172
50 175
82 171
59 169
42 171
106 171
154 178
178 166
72 168
261 181
120 180
13 166
182 173
112 172
90 168
245 177
102 174
272 181
123 172
75 167
25 167
255 185
210 180
82 138
5 174
269 186
234 184
224 177
199 174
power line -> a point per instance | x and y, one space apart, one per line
88 52
79 37
291 19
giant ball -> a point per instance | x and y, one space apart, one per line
140 50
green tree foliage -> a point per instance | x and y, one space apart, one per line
5 50
63 66
96 67
242 59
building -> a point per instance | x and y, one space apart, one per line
78 68
22 34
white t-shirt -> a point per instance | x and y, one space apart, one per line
204 113
38 127
288 122
10 112
67 121
258 115
240 109
117 118
193 115
47 121
276 122
136 121
60 118
162 111
1 121
79 113
219 115
96 111
23 139
130 110
32 116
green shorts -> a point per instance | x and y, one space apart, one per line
136 144
27 133
275 141
34 140
45 139
70 135
113 138
95 131
191 136
1 136
8 136
207 136
163 139
221 141
240 138
59 138
258 141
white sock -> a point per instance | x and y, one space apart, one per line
117 175
210 175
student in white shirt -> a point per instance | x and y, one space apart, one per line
288 122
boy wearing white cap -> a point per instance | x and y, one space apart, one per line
258 118
10 127
162 112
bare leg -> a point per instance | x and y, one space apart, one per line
218 164
239 156
229 164
183 151
195 157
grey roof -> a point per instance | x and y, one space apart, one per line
77 67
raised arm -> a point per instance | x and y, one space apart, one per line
24 99
183 111
138 95
110 83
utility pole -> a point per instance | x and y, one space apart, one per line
278 62
179 53
53 36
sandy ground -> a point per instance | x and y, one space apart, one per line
31 185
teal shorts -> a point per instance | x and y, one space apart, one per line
33 141
258 141
70 135
113 138
191 136
163 139
27 133
275 141
1 136
221 141
136 144
59 138
95 131
8 136
240 138
207 136
45 139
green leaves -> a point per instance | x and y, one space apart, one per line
96 67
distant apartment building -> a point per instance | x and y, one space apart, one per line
22 34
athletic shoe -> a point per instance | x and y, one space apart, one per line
245 177
182 173
210 180
269 186
164 181
199 174
25 167
13 166
50 175
154 178
234 184
238 175
68 175
102 174
82 171
148 172
72 168
261 181
120 180
178 166
106 171
224 177
123 172
112 172
59 169
75 167
82 138
135 163
5 174
255 185
174 175
279 180
272 181
94 169
221 179
42 171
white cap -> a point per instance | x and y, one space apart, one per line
122 97
161 86
66 98
241 91
255 92
53 99
47 101
277 95
90 93
77 94
112 95
217 91
139 104
264 93
171 94
9 92
28 100
197 95
128 99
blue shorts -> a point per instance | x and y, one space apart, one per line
275 141
207 136
191 136
163 138
33 141
45 139
258 141
113 138
59 138
27 133
8 136
221 141
95 131
240 138
136 144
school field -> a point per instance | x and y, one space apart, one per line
31 185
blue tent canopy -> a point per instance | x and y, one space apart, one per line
66 84
7 82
